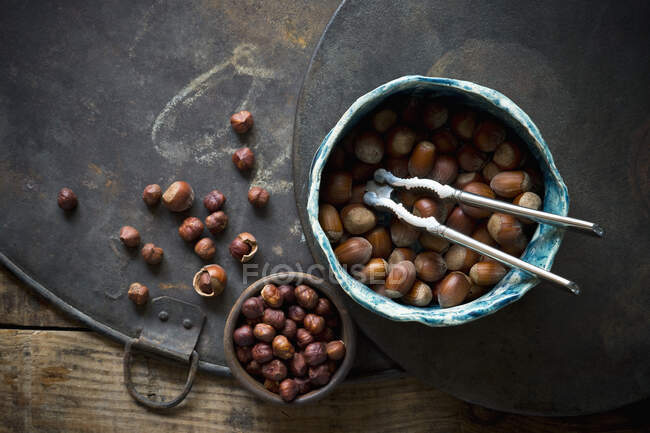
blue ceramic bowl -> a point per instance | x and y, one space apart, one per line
540 251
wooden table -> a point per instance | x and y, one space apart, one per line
56 376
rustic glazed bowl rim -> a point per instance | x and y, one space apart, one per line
348 335
540 251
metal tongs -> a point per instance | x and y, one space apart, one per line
378 194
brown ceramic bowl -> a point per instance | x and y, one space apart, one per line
348 335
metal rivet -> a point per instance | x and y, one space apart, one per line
187 323
163 316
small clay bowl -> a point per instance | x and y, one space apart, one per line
348 335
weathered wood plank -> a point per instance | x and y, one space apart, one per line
71 381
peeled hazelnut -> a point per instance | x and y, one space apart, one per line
253 322
445 169
384 119
336 188
262 353
214 200
380 240
254 368
504 228
481 189
258 196
434 115
369 147
399 255
470 158
460 258
453 289
314 324
296 313
303 337
151 194
362 172
374 272
463 124
282 348
274 370
507 156
243 336
288 390
335 350
400 141
465 179
528 200
460 221
315 354
290 329
241 122
205 249
488 136
324 307
243 247
355 250
264 332
191 229
433 242
511 183
67 199
244 354
357 218
482 235
210 280
298 365
304 386
330 222
326 335
271 385
320 375
420 295
152 254
306 297
444 141
138 293
422 159
216 222
398 166
178 197
271 295
274 318
487 273
253 308
430 266
403 234
400 279
243 158
287 293
129 236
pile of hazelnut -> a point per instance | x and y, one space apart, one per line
287 339
452 144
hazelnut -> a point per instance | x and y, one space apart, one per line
67 199
337 159
253 308
445 169
355 250
138 293
358 191
400 141
420 295
330 222
287 292
412 110
282 348
422 159
315 353
320 375
151 194
314 324
335 350
296 313
475 292
152 254
271 385
254 368
374 272
453 289
298 365
303 337
398 166
325 336
434 115
243 336
528 200
243 158
403 234
288 390
460 221
487 273
433 242
336 188
262 353
178 197
488 136
241 122
306 297
252 322
380 240
460 258
362 172
274 318
358 219
214 200
290 329
444 141
243 247
244 354
482 235
490 170
303 385
264 332
399 279
511 183
205 249
384 119
210 280
505 229
271 295
369 147
324 307
516 247
507 156
258 196
430 266
274 370
426 207
470 158
464 179
191 229
463 124
482 189
216 222
399 255
129 236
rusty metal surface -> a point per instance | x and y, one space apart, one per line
108 97
580 69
